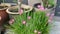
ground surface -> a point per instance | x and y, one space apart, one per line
55 26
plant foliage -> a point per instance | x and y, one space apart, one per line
38 21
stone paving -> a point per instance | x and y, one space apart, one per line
55 28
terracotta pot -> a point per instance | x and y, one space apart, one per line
4 17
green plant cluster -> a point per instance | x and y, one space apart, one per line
38 21
46 3
52 2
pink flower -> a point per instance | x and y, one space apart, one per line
39 6
48 14
21 11
35 31
24 22
29 17
42 8
0 17
39 32
11 21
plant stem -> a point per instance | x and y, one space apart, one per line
19 5
3 2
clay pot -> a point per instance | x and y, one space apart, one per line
4 17
14 10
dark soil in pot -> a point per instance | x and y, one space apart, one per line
13 10
16 10
1 7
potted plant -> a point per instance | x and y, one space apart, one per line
3 13
4 17
29 23
49 3
46 5
14 9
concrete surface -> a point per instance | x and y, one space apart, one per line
55 26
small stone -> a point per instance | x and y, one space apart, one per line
35 31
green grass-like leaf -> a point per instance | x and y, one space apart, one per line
38 22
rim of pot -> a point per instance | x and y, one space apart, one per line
16 12
3 7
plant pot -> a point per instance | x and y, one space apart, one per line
14 10
17 19
48 9
3 13
4 17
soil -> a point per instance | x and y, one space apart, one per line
1 7
16 10
13 10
